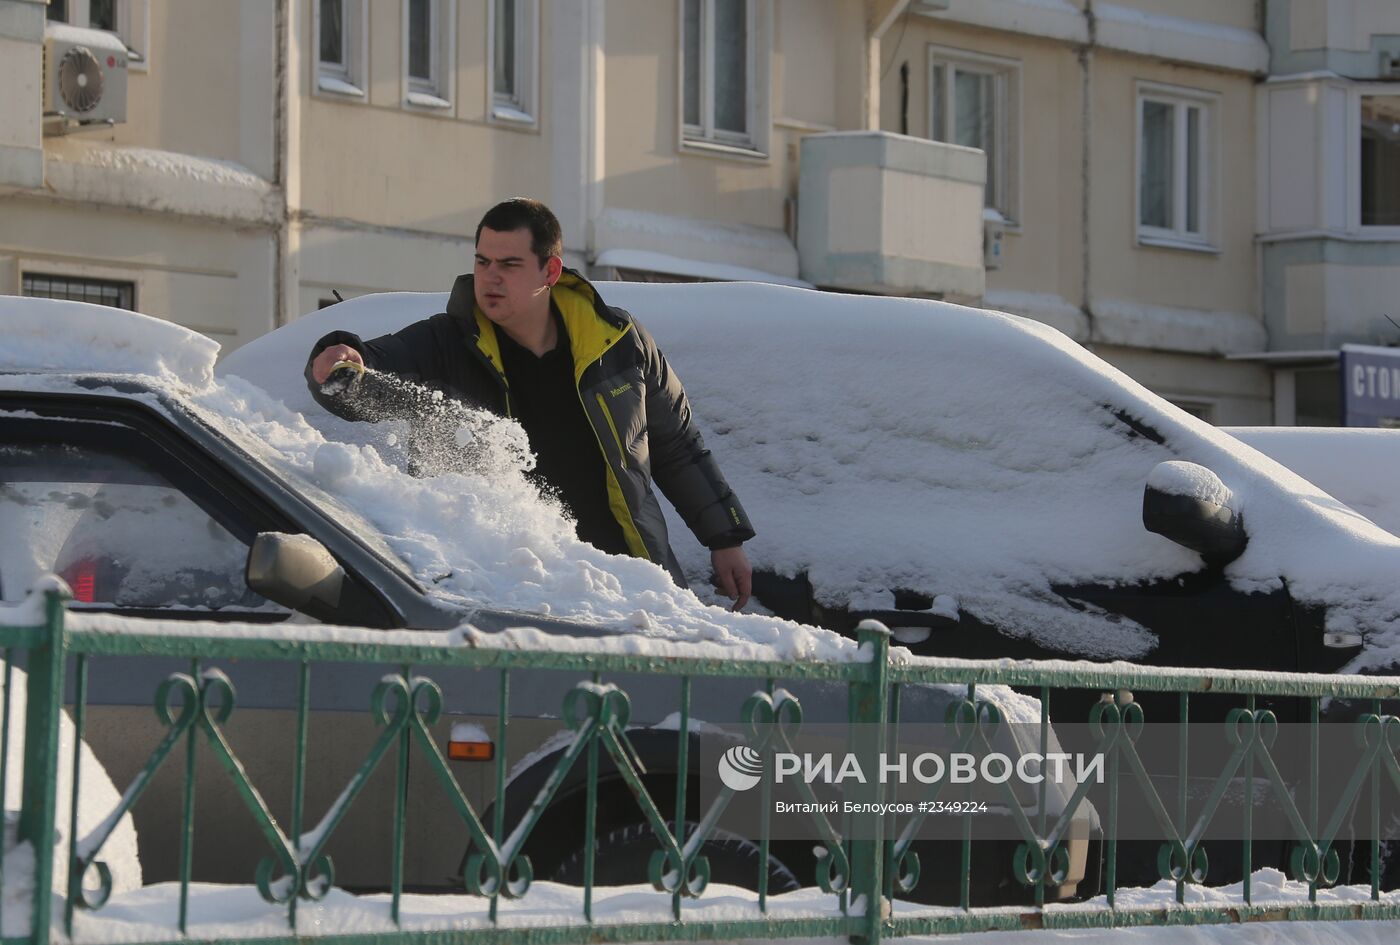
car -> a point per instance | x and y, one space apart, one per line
157 491
977 478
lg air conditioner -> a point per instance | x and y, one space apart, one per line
84 78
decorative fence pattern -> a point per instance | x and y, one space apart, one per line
865 872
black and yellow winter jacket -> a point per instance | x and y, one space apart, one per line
632 398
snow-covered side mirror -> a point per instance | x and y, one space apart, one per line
1189 504
295 571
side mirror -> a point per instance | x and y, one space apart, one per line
295 571
1189 504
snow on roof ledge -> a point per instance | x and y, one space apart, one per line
723 244
53 336
694 268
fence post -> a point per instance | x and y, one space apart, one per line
869 708
39 795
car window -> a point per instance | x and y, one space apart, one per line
118 530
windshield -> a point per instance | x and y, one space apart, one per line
347 519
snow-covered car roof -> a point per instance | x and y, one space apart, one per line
884 443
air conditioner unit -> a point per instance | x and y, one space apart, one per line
84 78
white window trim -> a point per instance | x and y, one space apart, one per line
133 28
1007 199
703 138
435 93
1353 158
520 110
1177 237
333 80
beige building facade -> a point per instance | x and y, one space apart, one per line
1093 165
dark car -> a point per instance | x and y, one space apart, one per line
986 487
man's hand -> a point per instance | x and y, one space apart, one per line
329 358
733 574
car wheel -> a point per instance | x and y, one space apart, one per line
623 855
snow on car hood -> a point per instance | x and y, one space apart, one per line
883 443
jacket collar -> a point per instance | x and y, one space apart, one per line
592 326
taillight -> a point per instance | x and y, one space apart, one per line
82 578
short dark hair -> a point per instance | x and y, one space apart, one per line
522 213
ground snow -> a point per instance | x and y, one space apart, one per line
228 912
882 443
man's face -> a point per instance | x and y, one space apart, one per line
511 284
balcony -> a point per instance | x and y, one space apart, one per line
890 214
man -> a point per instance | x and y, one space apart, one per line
605 415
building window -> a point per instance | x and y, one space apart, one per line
340 47
513 52
1380 160
97 291
128 19
724 73
427 53
1200 409
974 101
1174 133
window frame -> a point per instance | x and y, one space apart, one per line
1356 95
1006 93
133 28
1181 100
342 81
519 109
704 138
434 93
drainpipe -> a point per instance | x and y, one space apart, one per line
877 30
291 32
280 315
1086 169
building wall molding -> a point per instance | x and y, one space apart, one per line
1193 331
1118 28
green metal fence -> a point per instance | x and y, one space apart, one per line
864 869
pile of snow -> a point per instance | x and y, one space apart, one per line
884 443
1357 465
98 799
1175 477
78 337
227 913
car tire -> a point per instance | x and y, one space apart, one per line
623 855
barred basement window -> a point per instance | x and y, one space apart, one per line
96 291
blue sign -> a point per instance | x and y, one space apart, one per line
1370 386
